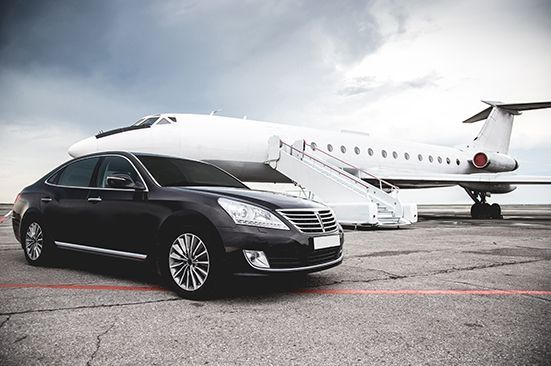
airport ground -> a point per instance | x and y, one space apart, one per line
448 290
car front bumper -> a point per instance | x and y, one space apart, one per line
287 251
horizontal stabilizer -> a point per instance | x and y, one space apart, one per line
479 116
512 108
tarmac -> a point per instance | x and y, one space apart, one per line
448 290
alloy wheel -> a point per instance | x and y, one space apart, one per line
189 262
34 241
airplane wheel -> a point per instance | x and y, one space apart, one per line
476 211
495 211
486 211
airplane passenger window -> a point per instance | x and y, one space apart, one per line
329 147
370 151
406 155
457 161
357 150
395 155
448 160
383 153
420 157
313 145
430 158
343 149
439 160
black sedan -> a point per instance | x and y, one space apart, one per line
193 220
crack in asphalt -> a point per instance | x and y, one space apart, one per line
392 276
98 344
20 339
88 307
6 320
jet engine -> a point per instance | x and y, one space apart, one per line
494 162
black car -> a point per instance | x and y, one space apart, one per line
193 220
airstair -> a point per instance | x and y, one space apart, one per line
354 201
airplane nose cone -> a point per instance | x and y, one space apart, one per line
83 147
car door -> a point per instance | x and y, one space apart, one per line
122 217
64 206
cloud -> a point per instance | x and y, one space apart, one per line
407 70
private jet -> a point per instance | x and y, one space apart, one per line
356 174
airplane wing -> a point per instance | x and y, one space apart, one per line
473 178
412 179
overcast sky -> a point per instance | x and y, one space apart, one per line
406 69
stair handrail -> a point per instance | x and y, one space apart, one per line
325 164
381 181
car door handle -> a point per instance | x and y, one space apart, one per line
46 199
94 199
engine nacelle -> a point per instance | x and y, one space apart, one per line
494 162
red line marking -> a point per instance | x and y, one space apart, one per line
421 292
82 287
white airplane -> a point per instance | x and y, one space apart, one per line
240 146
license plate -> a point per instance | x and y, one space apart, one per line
323 242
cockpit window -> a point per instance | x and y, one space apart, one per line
173 119
146 121
163 121
137 123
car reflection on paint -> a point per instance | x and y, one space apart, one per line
193 220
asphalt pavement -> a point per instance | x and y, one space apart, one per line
448 290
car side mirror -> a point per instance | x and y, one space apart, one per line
124 181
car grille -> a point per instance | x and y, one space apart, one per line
311 221
317 257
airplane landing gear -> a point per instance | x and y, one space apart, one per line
481 209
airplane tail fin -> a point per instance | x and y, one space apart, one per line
495 135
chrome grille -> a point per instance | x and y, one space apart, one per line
311 221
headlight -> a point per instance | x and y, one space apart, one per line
245 214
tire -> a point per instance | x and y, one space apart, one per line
486 211
37 246
194 276
495 211
476 211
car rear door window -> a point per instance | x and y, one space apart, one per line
78 174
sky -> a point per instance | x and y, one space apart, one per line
412 70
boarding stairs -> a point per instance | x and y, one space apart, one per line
354 201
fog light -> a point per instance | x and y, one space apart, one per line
256 258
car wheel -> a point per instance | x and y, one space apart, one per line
36 246
190 264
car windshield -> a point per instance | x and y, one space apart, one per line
173 172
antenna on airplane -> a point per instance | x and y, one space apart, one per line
212 113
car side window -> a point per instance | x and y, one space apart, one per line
115 165
78 174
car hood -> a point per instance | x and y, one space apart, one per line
268 199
